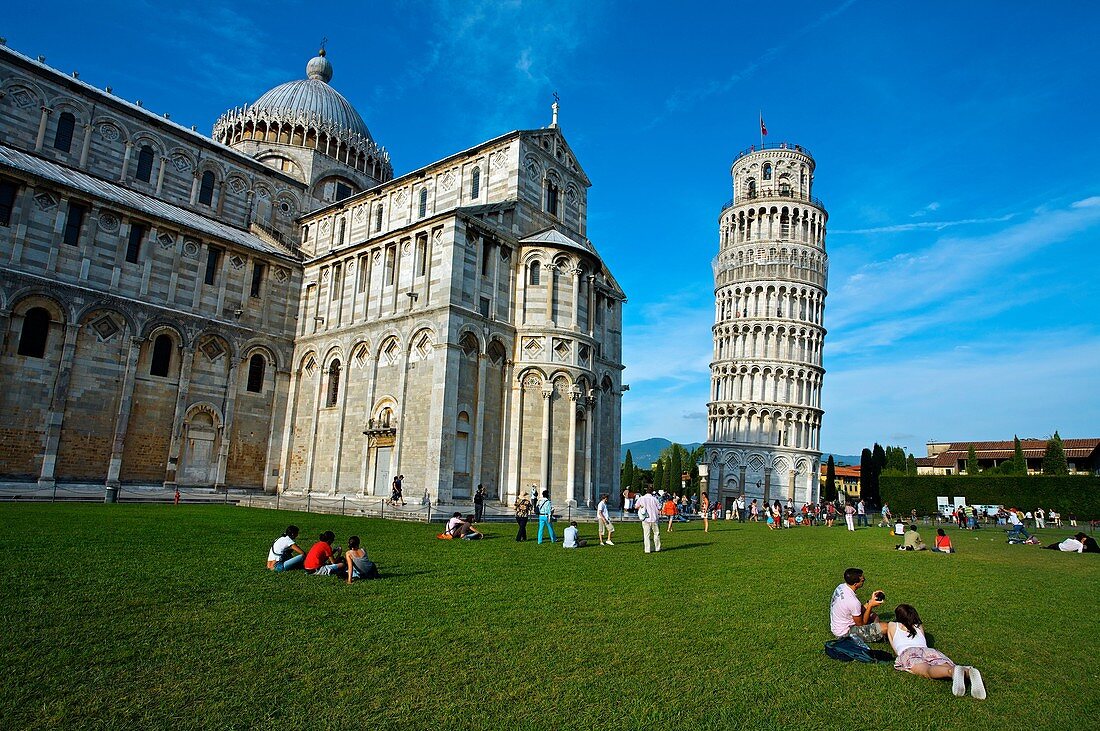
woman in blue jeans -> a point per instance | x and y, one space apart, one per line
546 512
285 554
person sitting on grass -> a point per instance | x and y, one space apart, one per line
847 617
569 538
323 559
466 531
453 523
358 565
906 635
942 543
912 540
282 556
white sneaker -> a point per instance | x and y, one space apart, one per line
958 681
610 543
977 685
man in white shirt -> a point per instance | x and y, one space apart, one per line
861 511
603 515
1017 531
649 511
1040 518
847 616
1073 544
570 540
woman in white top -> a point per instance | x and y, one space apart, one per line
906 636
284 554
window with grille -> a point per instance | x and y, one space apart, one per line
206 188
63 138
133 243
256 368
162 356
7 201
423 209
74 221
475 183
145 164
257 279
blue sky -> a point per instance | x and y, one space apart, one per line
956 146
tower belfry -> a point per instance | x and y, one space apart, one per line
770 283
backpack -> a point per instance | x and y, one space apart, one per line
850 648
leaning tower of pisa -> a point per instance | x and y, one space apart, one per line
770 276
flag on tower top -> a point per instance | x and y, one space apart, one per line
763 129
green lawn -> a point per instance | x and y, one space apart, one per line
151 616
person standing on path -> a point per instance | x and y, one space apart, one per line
546 513
850 516
649 512
603 516
479 503
523 508
741 511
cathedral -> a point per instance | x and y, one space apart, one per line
271 308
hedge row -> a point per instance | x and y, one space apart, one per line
1066 494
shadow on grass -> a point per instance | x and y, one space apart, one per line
683 546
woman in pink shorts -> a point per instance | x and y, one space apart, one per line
915 656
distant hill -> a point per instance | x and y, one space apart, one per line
646 452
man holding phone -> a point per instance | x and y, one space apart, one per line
847 616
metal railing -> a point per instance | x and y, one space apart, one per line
773 193
773 146
93 493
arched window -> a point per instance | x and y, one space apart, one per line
378 218
752 187
475 183
423 210
162 356
767 171
333 383
534 271
206 188
145 164
36 330
552 192
63 138
256 367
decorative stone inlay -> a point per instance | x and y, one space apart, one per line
583 354
22 98
46 200
533 171
109 132
401 197
105 327
325 274
190 248
377 256
263 192
180 162
392 352
109 222
282 274
166 239
326 225
406 248
532 346
561 349
358 213
287 209
447 181
424 346
236 261
360 356
437 236
212 349
500 159
310 368
238 184
532 381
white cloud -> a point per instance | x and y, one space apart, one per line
934 225
930 208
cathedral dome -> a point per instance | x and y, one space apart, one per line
312 101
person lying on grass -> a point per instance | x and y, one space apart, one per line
323 559
282 556
358 566
1080 543
907 638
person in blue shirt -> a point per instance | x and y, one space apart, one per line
546 511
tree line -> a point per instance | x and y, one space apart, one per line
676 470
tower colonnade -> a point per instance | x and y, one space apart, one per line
770 276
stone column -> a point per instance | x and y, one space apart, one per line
160 174
282 384
318 395
479 421
42 121
295 378
58 399
86 146
589 402
334 485
576 296
231 387
125 161
186 362
571 456
550 287
122 420
512 433
544 464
